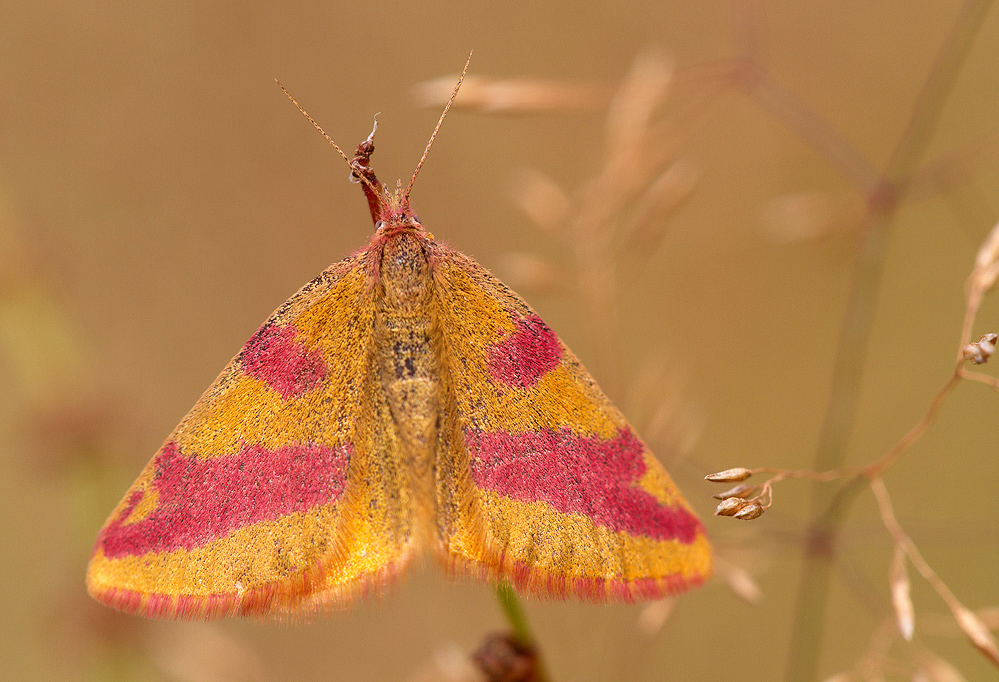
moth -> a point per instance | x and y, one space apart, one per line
403 401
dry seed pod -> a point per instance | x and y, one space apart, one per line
532 273
901 600
729 475
741 582
988 252
515 96
542 199
750 511
980 352
661 198
654 616
800 216
644 89
730 506
742 490
976 631
841 677
986 271
932 668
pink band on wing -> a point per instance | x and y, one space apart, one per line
525 356
578 474
201 500
273 356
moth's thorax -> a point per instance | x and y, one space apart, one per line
404 273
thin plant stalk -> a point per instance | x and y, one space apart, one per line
521 629
830 507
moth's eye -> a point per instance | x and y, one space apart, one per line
379 225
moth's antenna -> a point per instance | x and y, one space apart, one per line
330 139
409 188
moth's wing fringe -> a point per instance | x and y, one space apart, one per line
284 600
538 582
494 565
296 598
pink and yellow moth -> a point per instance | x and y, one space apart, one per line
404 400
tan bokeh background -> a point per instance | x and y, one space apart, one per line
160 197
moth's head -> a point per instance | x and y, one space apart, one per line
395 215
389 210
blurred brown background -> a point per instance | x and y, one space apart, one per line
159 196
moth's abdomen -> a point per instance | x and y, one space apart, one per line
408 364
